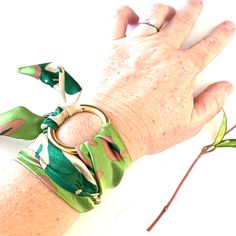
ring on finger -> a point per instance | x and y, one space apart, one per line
151 22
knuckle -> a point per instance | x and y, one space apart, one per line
211 101
219 101
190 64
196 61
213 43
186 18
189 67
215 100
198 64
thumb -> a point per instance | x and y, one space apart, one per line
208 103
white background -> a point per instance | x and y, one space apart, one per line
76 35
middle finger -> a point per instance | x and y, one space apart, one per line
181 25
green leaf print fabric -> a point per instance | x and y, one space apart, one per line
80 178
20 123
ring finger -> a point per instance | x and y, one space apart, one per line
154 20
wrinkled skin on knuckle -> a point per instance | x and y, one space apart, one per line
216 101
185 18
213 44
196 61
189 67
192 63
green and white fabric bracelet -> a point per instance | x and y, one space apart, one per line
77 175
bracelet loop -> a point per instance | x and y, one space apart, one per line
83 108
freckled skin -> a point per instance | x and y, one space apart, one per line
146 89
152 94
29 208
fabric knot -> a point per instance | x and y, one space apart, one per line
73 109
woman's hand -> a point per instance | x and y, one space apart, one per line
147 86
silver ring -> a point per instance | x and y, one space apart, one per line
152 21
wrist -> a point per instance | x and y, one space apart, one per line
121 124
122 119
78 129
82 127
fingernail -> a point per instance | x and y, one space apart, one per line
229 25
229 90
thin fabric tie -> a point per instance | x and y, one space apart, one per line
79 179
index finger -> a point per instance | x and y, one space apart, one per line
124 16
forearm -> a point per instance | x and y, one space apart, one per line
28 207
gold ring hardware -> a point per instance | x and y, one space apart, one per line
84 108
